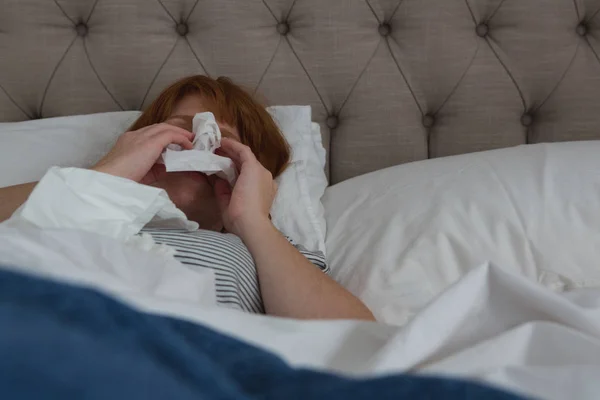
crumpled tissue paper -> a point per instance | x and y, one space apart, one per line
202 157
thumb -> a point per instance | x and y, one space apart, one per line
222 194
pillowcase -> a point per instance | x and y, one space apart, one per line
28 149
398 237
297 210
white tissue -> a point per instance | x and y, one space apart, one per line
201 158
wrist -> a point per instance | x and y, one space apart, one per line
106 169
247 228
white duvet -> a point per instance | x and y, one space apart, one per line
491 326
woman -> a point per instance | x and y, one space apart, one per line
256 267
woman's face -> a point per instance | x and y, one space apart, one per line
192 192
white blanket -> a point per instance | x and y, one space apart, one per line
491 326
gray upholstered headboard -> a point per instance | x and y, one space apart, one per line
390 81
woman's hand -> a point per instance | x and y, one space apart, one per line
290 285
136 152
249 203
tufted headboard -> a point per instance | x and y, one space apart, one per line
390 81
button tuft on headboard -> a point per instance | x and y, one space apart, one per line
582 29
332 122
527 119
182 29
81 29
482 30
385 29
428 121
283 28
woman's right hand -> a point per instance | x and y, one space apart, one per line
136 152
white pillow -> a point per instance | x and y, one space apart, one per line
398 237
297 210
28 149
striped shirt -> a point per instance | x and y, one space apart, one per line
236 277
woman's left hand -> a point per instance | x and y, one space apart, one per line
290 285
248 204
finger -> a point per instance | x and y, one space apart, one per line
222 194
162 128
145 129
171 137
219 151
179 129
238 152
183 142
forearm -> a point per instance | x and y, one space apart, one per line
292 286
13 197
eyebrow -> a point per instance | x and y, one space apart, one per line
185 118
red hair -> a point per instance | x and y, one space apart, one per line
231 104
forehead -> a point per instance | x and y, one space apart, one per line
191 105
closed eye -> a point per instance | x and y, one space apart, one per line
181 121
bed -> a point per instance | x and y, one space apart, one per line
397 87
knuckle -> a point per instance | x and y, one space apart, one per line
127 135
266 173
162 128
149 128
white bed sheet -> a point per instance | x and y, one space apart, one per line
491 326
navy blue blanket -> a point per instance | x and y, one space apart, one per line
66 342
